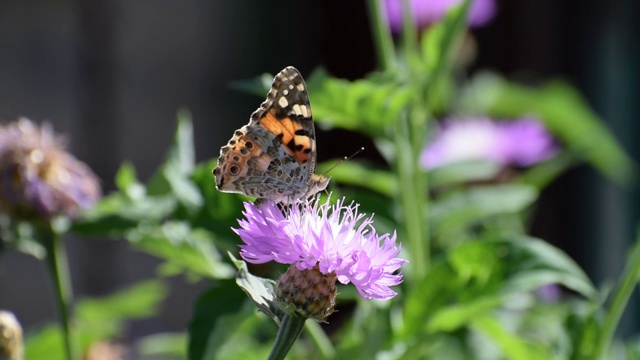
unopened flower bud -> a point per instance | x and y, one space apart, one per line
11 347
311 293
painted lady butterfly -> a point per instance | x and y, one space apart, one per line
274 155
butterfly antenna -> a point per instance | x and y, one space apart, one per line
346 158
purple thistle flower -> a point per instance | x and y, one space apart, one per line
38 177
520 143
427 12
334 238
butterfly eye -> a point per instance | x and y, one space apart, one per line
234 169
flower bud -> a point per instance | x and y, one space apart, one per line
11 347
310 293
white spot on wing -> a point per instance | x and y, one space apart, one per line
290 87
296 109
300 87
285 92
283 102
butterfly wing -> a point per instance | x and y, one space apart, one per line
274 156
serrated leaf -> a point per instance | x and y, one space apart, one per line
185 249
260 290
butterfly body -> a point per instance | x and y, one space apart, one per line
274 156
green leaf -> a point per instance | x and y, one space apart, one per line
184 249
220 211
462 172
127 182
353 173
167 346
456 316
116 214
98 319
439 45
533 263
467 207
260 290
210 311
563 110
512 345
21 236
139 301
368 106
173 176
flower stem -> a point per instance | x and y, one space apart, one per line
412 198
628 283
381 36
290 328
61 280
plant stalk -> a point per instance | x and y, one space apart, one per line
290 328
61 281
629 280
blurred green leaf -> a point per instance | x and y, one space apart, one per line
98 319
116 214
166 346
184 249
455 316
367 105
353 173
210 311
173 175
127 182
512 345
439 46
138 301
21 236
532 263
462 172
461 209
221 210
562 109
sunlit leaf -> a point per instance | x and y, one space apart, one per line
260 290
184 249
513 346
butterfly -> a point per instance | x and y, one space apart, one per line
274 155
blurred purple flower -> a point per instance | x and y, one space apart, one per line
519 143
550 293
38 177
334 239
426 12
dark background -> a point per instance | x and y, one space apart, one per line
112 74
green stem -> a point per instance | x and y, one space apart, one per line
628 283
290 328
381 36
410 43
412 199
61 280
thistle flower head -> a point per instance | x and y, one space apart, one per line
522 143
427 12
38 178
335 239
